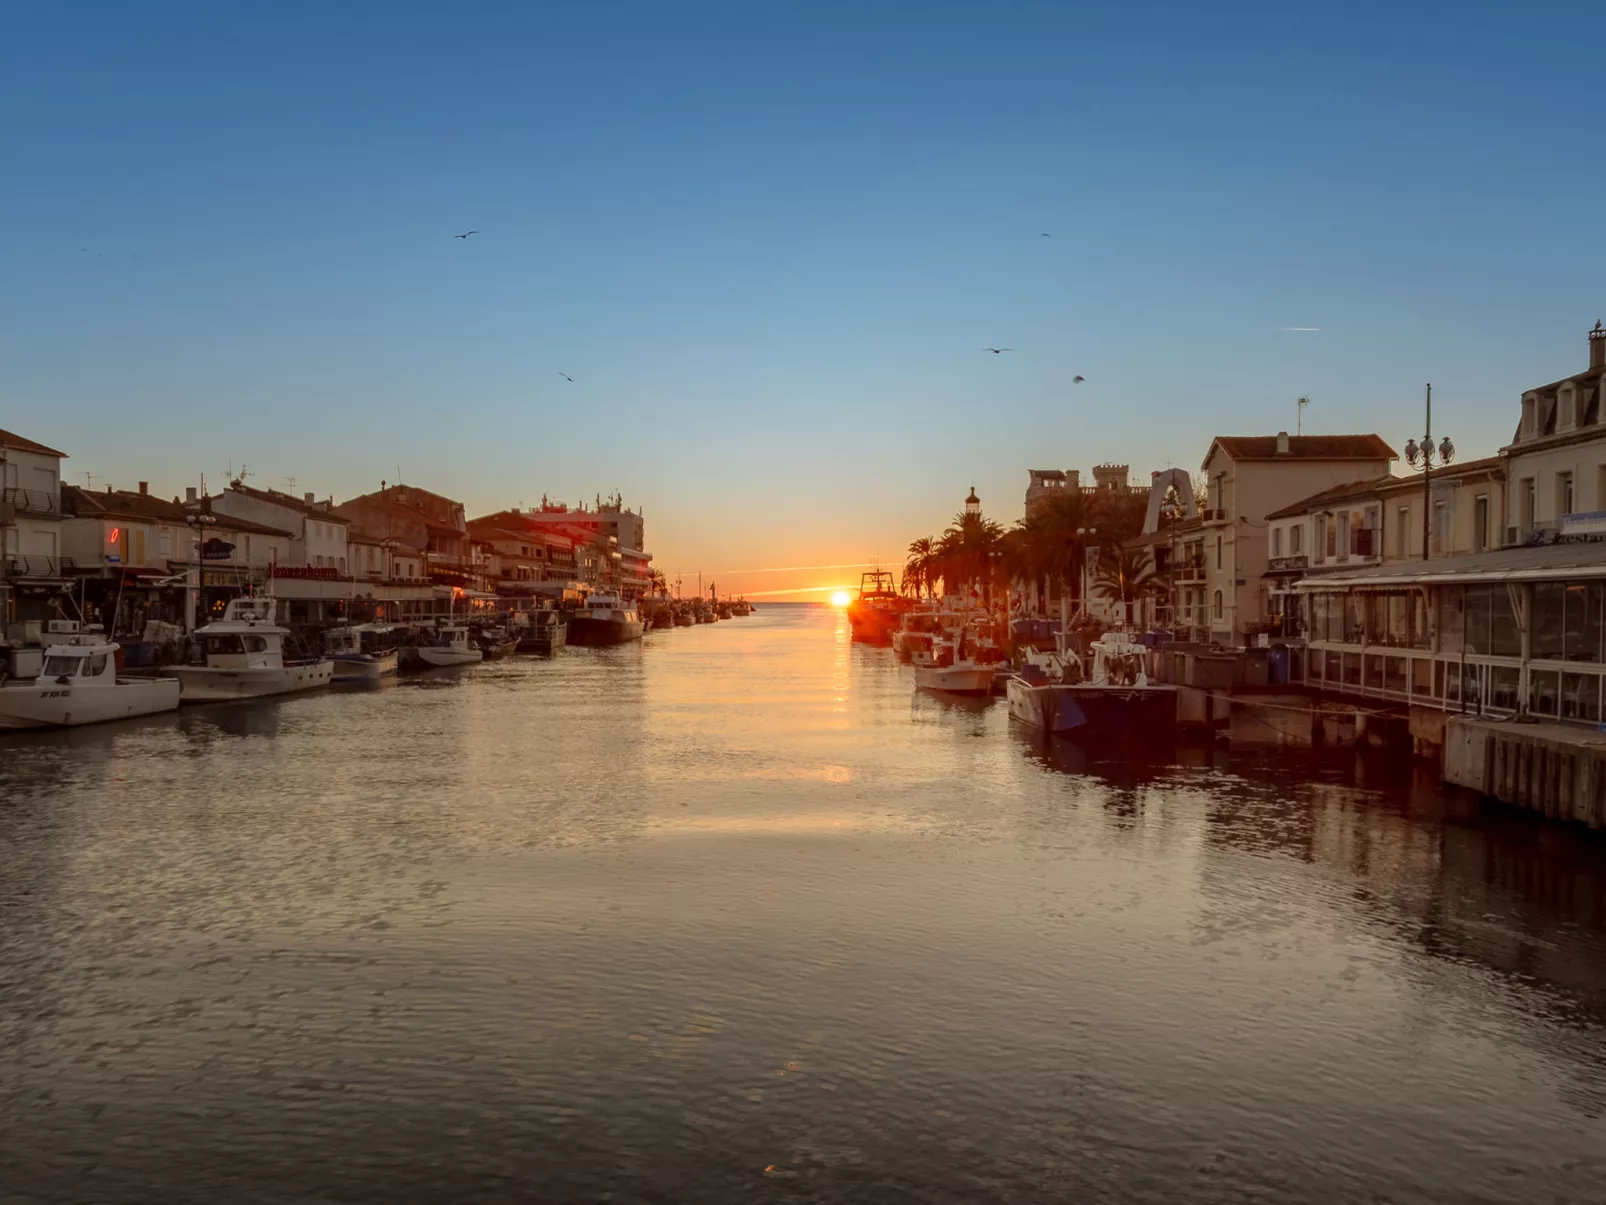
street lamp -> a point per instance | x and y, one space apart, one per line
1082 535
199 522
1423 454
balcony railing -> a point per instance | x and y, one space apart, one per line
31 502
18 566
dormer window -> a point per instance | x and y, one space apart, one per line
1548 421
1566 412
1529 407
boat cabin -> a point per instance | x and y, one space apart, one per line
79 665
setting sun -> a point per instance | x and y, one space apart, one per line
840 598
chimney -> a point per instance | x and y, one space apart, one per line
1597 347
309 498
189 494
144 487
1282 443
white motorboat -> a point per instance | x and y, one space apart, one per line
79 685
452 645
605 620
948 668
241 656
361 654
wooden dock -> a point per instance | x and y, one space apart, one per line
1557 770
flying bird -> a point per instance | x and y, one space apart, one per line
566 377
1077 380
996 350
1046 234
465 234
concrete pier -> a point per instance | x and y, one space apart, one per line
1558 770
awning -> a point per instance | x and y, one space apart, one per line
1550 562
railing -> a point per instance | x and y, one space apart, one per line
37 566
1214 514
31 502
1190 573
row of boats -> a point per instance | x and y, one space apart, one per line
247 654
1103 696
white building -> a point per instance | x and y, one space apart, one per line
32 564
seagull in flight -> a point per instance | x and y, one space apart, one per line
465 234
1046 234
566 377
1077 380
996 350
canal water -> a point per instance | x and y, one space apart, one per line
739 915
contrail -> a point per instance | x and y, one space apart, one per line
799 590
793 568
1300 328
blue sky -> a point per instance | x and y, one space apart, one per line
769 240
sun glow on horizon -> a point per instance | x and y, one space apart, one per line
839 598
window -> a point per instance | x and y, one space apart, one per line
1402 532
1564 494
1441 526
164 541
1480 523
61 667
1321 538
1218 553
1529 496
1219 611
1276 541
256 644
1296 538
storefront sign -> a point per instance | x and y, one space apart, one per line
1586 523
216 550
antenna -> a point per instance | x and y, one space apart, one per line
245 471
1299 427
290 485
89 481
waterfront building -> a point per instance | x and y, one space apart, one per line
429 523
1249 477
602 548
33 568
314 577
1519 629
131 554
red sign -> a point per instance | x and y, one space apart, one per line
306 573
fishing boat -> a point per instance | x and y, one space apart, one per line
604 620
542 632
449 644
685 617
365 653
496 643
1112 703
78 684
241 656
917 629
874 615
951 668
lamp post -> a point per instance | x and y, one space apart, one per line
1425 453
198 522
1082 536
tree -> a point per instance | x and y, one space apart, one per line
1125 574
918 569
1050 543
967 552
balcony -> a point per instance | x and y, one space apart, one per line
1190 573
37 568
30 502
1213 514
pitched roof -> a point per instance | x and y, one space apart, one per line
1386 484
18 444
1304 447
315 510
121 504
398 508
230 523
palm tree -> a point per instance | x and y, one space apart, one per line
967 553
918 574
1125 574
1049 544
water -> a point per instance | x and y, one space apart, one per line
738 915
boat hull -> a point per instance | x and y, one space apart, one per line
1094 713
365 668
52 706
956 680
204 684
441 658
544 639
590 632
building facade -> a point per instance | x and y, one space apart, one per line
34 569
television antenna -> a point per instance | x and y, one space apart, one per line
1299 427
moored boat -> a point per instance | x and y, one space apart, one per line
604 620
950 669
875 614
543 631
1115 703
364 653
79 685
241 656
449 644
